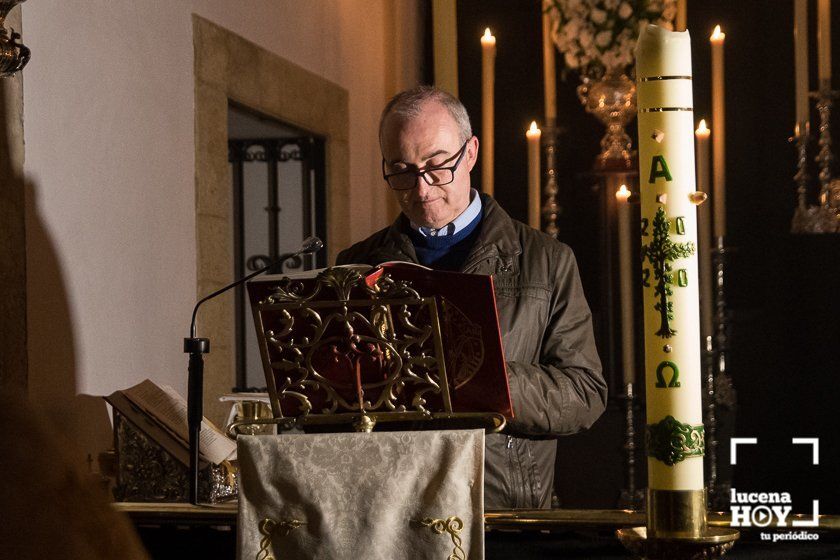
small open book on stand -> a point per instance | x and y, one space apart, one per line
150 432
357 345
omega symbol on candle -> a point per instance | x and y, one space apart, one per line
660 376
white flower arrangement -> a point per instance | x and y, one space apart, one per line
599 36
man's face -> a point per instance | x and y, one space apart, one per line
429 140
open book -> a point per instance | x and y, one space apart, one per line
161 413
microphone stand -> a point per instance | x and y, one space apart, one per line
197 347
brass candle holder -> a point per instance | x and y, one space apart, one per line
13 54
550 209
677 529
823 217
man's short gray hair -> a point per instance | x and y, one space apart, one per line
409 104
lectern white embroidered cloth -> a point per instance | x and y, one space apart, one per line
380 495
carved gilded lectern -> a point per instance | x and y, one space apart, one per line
398 343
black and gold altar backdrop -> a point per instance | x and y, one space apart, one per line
783 290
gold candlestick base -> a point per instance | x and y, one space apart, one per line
676 513
676 521
714 543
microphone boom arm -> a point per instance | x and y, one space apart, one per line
197 347
310 245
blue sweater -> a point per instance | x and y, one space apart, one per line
446 252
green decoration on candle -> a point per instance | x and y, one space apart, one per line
659 168
660 377
679 222
660 252
646 277
671 441
645 224
682 278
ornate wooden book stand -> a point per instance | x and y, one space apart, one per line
350 349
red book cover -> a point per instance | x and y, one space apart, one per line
474 356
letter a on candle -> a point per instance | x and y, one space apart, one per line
659 168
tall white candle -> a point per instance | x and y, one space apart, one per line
682 15
488 81
533 135
719 138
800 45
669 271
445 44
824 43
549 71
626 235
704 232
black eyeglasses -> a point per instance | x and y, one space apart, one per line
437 176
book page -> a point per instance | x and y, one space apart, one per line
304 274
169 408
239 397
408 264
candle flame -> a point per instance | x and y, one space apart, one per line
533 127
487 40
701 128
622 194
717 35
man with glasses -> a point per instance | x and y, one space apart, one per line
428 151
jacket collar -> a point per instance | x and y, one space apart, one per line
497 240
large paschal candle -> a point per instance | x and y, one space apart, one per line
674 433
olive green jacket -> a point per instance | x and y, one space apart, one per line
555 373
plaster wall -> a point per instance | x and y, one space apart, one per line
110 171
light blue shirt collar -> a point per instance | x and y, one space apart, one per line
463 220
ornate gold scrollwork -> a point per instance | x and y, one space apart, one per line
318 334
451 525
268 527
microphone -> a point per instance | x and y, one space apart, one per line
310 245
195 347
